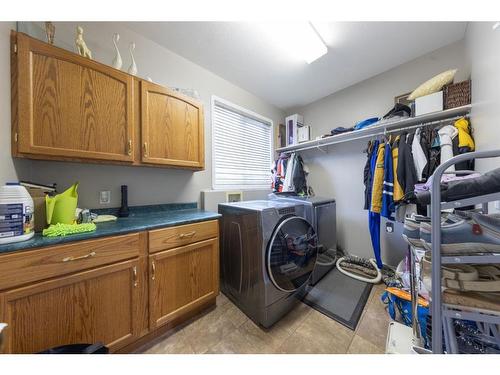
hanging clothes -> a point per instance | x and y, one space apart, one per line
374 217
446 135
367 175
425 144
434 153
463 143
419 158
378 180
299 176
278 171
407 176
288 181
464 134
387 210
398 190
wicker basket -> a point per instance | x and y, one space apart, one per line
457 94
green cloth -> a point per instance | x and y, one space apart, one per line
60 229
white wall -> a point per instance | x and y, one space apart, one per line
146 185
340 172
483 54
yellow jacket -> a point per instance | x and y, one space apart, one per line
464 137
398 190
378 181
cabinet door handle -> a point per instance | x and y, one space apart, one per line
129 147
153 270
187 235
89 255
145 146
134 271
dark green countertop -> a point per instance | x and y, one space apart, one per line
140 219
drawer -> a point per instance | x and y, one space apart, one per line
168 238
17 269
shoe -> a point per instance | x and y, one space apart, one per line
411 229
476 234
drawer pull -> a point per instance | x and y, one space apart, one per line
145 148
153 270
187 235
134 271
70 259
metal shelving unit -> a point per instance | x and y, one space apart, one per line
445 313
434 118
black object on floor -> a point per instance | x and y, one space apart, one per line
339 297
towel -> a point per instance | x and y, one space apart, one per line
60 229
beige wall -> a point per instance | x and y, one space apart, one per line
146 185
10 170
339 173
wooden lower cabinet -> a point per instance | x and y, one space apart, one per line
113 290
97 305
182 279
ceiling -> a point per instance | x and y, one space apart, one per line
244 54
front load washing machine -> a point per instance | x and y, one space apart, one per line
268 252
321 213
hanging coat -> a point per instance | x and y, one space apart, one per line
378 181
367 175
388 185
398 190
288 182
407 176
464 137
446 135
419 158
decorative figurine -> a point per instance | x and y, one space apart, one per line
81 46
50 31
117 61
132 69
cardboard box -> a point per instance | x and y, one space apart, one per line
40 215
429 103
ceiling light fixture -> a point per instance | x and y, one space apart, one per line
299 39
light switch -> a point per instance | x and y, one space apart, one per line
105 197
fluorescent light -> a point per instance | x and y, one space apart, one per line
298 39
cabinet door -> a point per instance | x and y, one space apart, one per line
182 279
70 106
98 305
172 128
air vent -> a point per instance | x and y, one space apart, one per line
286 211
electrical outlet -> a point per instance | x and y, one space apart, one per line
105 197
389 227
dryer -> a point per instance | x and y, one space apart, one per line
268 253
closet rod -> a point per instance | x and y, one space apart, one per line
318 144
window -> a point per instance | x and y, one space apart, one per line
241 147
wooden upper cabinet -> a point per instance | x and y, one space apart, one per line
172 128
69 106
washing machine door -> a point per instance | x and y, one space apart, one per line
292 253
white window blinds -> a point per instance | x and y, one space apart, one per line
241 148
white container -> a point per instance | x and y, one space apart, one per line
429 103
16 214
293 123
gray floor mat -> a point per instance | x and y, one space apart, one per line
339 297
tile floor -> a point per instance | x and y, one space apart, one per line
227 330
